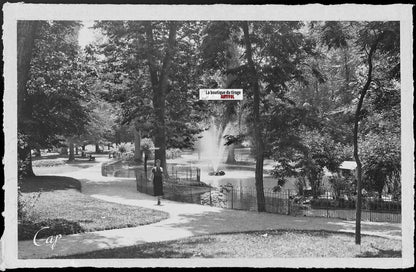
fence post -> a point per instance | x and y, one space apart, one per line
369 209
232 197
288 202
327 205
141 182
145 185
210 198
137 182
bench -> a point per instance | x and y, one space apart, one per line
91 158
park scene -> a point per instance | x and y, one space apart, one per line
118 157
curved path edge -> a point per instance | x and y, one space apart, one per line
185 220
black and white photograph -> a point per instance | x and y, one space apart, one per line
207 136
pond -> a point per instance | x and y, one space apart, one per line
236 175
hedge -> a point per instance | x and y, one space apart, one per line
374 205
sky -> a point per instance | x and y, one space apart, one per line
86 35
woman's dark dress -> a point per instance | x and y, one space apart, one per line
157 181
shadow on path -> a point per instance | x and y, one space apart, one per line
185 220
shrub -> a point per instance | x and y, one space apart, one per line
332 203
320 203
346 204
173 153
380 205
147 146
25 206
338 184
128 156
122 149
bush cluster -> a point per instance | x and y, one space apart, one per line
332 203
369 204
380 204
173 153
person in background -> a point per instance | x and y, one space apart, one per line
157 177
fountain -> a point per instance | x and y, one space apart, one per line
212 147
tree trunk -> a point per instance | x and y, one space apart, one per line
64 151
258 139
25 164
83 151
26 31
71 151
138 154
145 164
159 86
97 148
355 140
76 149
231 155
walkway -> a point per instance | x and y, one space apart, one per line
185 220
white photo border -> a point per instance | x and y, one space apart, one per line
19 11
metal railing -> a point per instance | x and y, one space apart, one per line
285 202
184 172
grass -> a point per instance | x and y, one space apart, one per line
258 244
60 164
63 208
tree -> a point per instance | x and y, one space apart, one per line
159 77
258 138
371 38
380 154
134 55
26 31
270 59
57 86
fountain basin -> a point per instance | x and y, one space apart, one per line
216 173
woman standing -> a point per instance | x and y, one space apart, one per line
157 177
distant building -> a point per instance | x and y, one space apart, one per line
348 165
347 168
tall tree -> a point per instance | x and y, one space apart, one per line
258 137
374 36
371 39
270 59
26 31
136 53
159 79
57 86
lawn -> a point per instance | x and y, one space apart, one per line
59 164
57 202
259 244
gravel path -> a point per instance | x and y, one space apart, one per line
185 220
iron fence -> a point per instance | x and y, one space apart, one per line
286 202
184 172
173 189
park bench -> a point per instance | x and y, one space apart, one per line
91 158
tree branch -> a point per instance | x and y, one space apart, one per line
151 56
